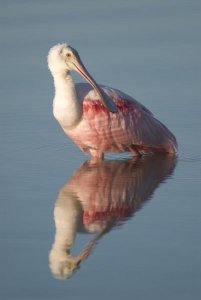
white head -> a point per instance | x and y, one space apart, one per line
62 59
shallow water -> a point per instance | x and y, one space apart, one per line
135 224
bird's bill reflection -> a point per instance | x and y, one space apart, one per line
98 197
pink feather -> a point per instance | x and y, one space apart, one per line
133 128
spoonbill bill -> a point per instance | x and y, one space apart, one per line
101 119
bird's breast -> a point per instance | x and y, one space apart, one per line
101 129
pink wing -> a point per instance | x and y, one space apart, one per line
133 125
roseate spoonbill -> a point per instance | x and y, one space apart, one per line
99 118
98 198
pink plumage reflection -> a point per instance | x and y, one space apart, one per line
101 119
99 197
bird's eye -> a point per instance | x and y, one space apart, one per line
68 54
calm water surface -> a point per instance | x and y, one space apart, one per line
122 229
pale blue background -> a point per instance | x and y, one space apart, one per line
150 50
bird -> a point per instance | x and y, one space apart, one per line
99 118
98 198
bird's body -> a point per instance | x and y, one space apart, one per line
105 119
132 128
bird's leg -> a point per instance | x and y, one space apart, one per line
96 154
134 150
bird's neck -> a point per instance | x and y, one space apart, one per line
67 213
66 106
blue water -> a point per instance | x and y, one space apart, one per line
146 245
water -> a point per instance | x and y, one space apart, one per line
146 246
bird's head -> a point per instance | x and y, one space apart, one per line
63 59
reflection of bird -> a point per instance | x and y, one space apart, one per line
98 197
107 120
